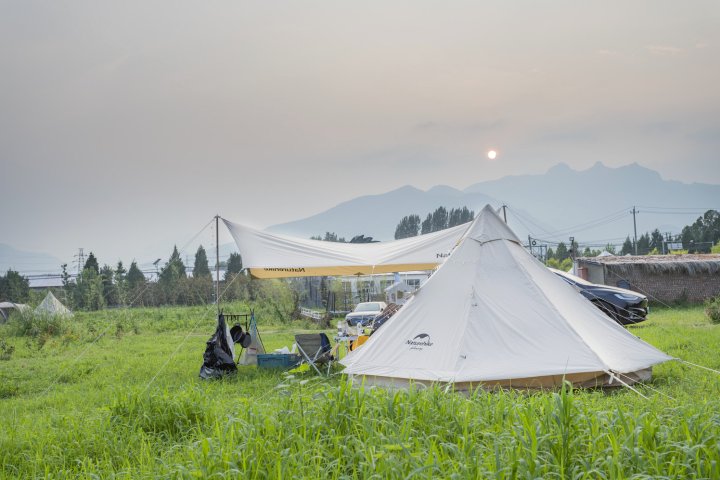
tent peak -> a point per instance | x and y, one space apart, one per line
488 227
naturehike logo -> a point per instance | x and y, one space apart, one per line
291 270
442 255
420 341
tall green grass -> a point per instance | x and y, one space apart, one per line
131 406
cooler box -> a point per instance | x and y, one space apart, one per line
278 360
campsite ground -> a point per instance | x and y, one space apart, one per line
130 405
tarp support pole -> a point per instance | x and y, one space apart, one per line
217 263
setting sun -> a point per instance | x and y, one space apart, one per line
492 154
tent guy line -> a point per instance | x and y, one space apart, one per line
484 254
189 333
102 333
504 337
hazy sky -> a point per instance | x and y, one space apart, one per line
125 126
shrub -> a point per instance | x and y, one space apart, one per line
6 350
43 327
712 310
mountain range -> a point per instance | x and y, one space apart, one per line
26 262
593 205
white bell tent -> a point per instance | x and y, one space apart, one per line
493 315
52 306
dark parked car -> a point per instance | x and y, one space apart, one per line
624 306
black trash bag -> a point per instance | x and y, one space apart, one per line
218 359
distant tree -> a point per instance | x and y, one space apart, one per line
201 268
656 240
459 216
107 276
135 278
68 287
88 293
562 252
332 237
92 262
439 219
65 276
329 237
427 224
14 287
171 281
121 283
611 248
413 225
566 264
362 239
174 268
705 229
409 226
627 247
550 253
644 244
563 265
234 265
711 223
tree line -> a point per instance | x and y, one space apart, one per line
440 219
14 287
699 237
333 237
97 287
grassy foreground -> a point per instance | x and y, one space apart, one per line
130 405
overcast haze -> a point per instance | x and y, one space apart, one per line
125 126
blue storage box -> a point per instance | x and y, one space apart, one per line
278 360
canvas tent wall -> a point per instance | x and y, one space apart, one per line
52 306
492 314
269 255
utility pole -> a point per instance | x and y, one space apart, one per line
504 207
530 244
80 260
635 212
217 263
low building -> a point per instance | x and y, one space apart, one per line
663 278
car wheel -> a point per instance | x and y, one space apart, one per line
608 310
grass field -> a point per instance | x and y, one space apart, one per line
130 405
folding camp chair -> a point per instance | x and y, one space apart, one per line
315 349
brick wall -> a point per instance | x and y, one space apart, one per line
668 287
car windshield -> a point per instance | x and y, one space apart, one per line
571 277
368 307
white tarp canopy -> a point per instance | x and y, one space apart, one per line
52 306
270 255
493 314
